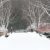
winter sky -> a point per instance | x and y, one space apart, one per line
24 41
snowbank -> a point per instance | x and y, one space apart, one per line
24 41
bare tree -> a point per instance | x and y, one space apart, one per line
28 12
5 12
38 9
39 4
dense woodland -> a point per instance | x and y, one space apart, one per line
25 12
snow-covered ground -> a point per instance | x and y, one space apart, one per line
24 41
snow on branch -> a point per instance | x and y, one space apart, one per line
40 4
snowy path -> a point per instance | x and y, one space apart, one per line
24 41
